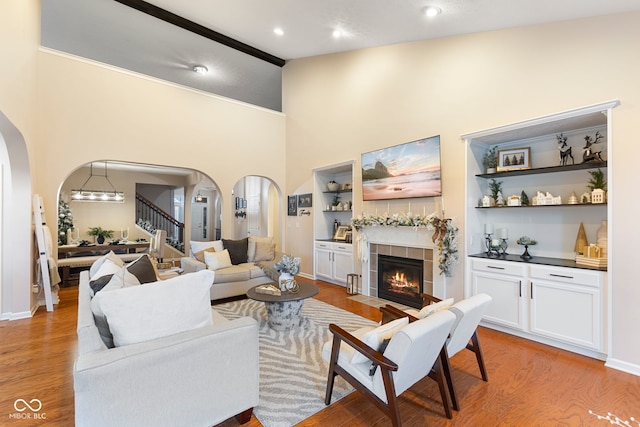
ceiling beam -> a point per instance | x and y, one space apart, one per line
185 24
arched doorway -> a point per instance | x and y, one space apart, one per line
257 202
16 299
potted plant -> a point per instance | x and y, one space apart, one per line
490 160
598 186
100 234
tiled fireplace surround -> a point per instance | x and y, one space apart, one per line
401 242
426 255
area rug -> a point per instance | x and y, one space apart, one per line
293 375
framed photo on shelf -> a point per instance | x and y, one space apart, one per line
341 232
514 159
304 200
292 209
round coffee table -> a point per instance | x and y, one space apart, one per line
284 312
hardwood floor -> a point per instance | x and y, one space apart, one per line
530 384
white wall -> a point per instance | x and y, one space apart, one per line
339 106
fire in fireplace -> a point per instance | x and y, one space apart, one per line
400 280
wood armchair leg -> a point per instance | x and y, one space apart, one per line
244 416
475 347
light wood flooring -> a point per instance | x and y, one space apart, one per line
530 384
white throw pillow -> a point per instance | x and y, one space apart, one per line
217 260
428 310
376 336
98 263
201 246
251 250
167 307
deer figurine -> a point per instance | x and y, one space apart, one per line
565 151
588 155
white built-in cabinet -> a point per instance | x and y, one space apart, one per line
560 306
333 260
549 298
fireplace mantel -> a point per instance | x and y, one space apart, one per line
396 238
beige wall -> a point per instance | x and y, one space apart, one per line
88 111
19 41
341 105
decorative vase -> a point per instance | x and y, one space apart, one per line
602 239
333 186
491 170
100 240
284 279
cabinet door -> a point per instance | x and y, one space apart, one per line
342 263
324 262
565 312
507 306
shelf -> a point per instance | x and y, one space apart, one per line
542 206
539 260
337 191
550 169
330 211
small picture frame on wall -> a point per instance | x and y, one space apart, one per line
514 159
304 200
292 209
341 232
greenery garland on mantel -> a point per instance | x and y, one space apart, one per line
444 236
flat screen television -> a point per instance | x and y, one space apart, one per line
403 171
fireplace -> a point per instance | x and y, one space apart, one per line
400 280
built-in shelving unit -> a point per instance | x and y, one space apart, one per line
333 260
526 293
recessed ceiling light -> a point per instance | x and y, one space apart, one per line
279 31
200 69
432 11
336 34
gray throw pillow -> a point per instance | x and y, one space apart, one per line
237 250
143 269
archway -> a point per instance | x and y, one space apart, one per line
257 202
15 224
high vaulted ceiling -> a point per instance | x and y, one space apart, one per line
111 31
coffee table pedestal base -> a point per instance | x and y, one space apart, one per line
284 315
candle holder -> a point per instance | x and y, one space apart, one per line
493 248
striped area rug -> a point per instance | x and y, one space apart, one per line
293 375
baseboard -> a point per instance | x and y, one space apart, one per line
17 316
621 365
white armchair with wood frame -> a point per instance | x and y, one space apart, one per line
415 351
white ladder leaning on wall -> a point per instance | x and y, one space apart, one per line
44 276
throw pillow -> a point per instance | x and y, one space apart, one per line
98 263
428 310
142 313
200 254
137 272
217 260
104 274
376 337
196 246
237 249
264 252
253 241
143 269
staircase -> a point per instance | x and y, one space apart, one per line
152 218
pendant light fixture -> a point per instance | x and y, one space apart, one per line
87 195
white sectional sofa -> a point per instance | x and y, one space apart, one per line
198 377
236 278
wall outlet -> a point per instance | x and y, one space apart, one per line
35 288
